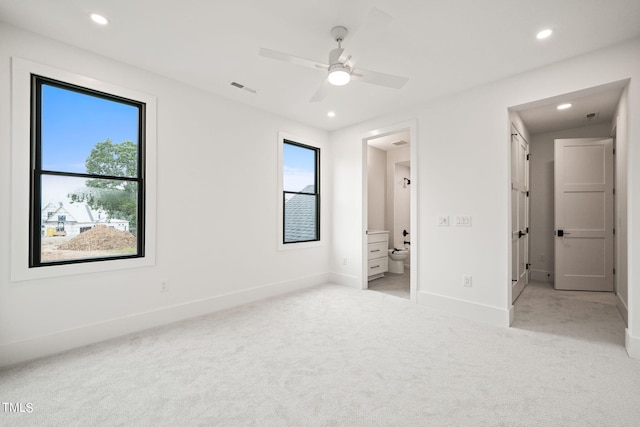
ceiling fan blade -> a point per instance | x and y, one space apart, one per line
322 92
366 36
380 79
268 53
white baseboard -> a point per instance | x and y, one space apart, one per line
622 308
346 280
632 344
471 310
33 348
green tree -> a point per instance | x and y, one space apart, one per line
117 198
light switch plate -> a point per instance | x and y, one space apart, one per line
443 221
463 220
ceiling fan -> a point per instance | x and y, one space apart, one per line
340 69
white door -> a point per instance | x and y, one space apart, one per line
519 213
584 214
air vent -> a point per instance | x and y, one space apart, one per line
592 116
400 143
243 87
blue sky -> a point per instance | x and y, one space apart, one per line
298 168
73 122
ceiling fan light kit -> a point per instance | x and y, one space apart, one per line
339 75
340 68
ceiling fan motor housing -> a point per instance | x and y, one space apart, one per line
339 33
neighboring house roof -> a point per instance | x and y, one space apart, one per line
300 216
78 212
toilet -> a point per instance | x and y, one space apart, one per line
397 259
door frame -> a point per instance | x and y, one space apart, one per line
622 233
412 127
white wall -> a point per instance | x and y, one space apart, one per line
212 169
401 206
376 188
395 156
463 163
541 148
622 193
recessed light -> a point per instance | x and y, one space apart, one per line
331 114
544 33
564 106
99 19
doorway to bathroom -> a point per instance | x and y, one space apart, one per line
389 196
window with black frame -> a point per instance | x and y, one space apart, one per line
301 192
87 175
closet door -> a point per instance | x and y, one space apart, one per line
519 213
584 214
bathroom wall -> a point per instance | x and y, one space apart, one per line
394 156
376 188
402 205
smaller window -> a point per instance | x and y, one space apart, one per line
301 192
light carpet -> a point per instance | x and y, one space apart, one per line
336 356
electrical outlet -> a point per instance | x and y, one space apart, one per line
164 285
466 280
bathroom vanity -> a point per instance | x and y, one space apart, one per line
378 243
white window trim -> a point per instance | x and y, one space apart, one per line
282 136
21 70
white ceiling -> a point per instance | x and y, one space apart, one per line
441 46
388 142
588 107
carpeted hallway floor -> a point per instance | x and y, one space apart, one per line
336 356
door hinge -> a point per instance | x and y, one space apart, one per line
527 193
527 265
528 156
614 191
614 271
527 230
614 151
614 231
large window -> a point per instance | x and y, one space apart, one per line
301 192
87 197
